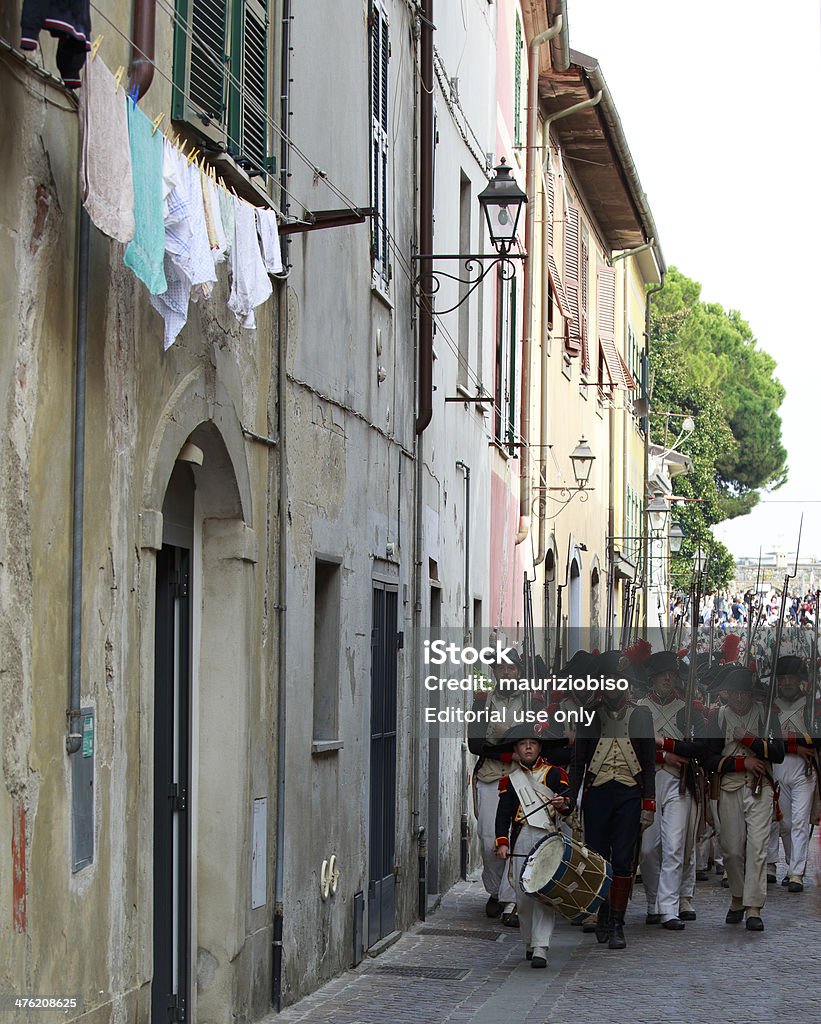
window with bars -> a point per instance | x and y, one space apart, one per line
379 59
221 77
517 84
504 396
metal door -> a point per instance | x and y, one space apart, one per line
382 818
170 982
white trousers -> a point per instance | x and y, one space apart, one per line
536 919
745 831
494 877
662 848
795 801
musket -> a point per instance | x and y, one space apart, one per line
750 611
814 678
699 581
779 631
814 669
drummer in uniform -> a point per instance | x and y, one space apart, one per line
530 798
796 776
495 755
614 760
741 756
666 844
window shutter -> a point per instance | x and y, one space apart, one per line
517 86
583 286
613 371
252 135
200 82
573 337
379 56
550 187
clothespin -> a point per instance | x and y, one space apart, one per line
191 156
95 46
118 77
156 123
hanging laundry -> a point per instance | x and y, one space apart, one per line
105 166
226 202
145 253
269 238
188 260
250 284
213 219
67 20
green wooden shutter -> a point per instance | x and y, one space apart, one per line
251 132
200 82
517 86
379 57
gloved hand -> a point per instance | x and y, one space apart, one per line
647 818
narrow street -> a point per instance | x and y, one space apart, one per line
459 967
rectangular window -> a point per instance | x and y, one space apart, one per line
505 390
464 310
327 590
220 77
379 57
517 85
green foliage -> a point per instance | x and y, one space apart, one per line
704 362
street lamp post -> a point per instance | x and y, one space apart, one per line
502 202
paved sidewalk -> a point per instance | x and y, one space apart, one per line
709 973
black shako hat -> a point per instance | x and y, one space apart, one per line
661 661
582 664
614 665
525 731
790 665
735 678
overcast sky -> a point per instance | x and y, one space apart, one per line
719 104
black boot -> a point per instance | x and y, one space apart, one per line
603 923
617 939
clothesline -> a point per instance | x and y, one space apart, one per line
177 219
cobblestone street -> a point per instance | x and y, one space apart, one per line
461 968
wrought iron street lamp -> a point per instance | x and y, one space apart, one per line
657 512
502 202
675 537
582 459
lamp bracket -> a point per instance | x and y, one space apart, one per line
429 281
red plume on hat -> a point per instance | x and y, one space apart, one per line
729 648
638 652
595 652
683 652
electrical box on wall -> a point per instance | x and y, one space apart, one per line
82 795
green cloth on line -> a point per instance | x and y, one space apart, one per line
145 253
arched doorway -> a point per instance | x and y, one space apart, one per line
198 670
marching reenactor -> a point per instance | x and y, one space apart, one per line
614 760
495 755
562 734
796 776
530 798
741 757
668 845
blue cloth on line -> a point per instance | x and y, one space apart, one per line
145 253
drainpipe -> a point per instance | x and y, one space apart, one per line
282 600
74 737
284 327
611 525
425 391
141 68
465 833
525 483
648 298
